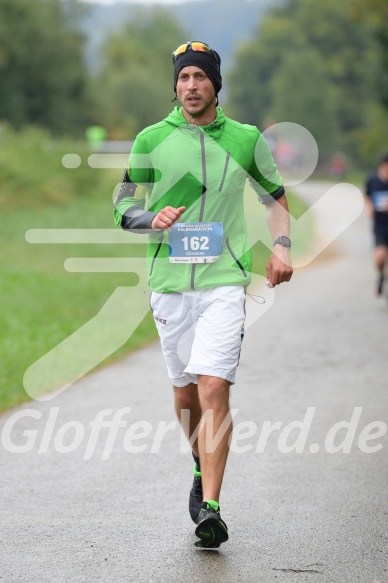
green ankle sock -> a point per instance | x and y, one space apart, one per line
213 504
197 474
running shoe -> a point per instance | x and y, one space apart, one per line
196 496
211 529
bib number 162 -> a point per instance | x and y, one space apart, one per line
195 243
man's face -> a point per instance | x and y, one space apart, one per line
195 91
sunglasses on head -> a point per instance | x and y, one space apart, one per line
193 45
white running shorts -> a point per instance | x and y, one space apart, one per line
200 332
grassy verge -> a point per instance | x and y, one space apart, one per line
42 303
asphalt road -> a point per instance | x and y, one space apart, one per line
318 357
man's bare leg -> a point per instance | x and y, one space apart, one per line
213 393
186 398
381 254
380 257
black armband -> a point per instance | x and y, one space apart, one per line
271 197
135 218
127 188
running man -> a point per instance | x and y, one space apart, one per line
184 186
377 204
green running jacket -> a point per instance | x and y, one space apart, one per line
203 168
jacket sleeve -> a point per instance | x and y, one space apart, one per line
263 173
129 212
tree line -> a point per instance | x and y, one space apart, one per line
321 64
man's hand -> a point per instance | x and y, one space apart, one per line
166 218
279 268
370 209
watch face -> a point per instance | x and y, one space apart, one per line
283 240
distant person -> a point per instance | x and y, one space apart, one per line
185 187
377 204
95 135
284 155
338 166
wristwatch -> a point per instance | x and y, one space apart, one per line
283 240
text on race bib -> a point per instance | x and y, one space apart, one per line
196 242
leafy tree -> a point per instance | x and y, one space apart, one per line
135 83
42 76
375 14
303 94
255 65
370 142
339 58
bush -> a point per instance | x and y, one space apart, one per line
32 172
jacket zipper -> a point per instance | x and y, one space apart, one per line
235 258
156 254
203 198
224 173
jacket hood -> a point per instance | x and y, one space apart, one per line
177 118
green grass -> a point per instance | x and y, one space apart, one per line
42 304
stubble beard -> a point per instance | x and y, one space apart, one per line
206 106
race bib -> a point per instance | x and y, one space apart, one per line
196 242
380 201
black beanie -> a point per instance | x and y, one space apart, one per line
208 62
